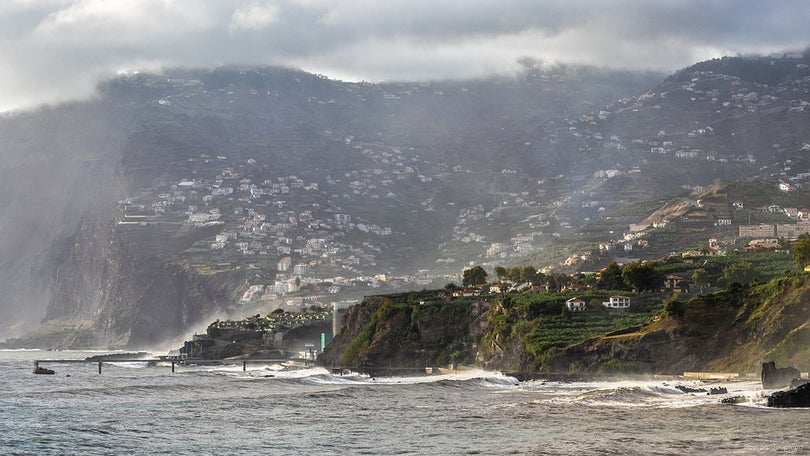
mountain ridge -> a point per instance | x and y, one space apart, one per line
392 177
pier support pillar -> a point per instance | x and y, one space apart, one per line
99 367
244 366
172 366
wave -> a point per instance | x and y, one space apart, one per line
321 376
647 394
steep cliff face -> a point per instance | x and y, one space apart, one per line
403 331
669 345
56 164
732 331
130 296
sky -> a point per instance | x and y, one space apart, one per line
58 50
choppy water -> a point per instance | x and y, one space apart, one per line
133 409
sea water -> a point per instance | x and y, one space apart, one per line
270 409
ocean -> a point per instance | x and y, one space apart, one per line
272 410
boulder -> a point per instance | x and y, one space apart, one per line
687 389
797 397
777 377
733 400
797 382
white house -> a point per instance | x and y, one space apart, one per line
617 302
575 305
787 188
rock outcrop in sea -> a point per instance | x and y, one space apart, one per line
778 377
797 397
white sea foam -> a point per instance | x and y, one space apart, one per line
223 410
646 393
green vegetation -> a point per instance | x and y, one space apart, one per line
353 356
794 349
673 307
763 295
564 330
739 267
424 328
642 276
539 323
801 251
528 329
476 275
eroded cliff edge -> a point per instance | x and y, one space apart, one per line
111 289
407 330
734 330
731 331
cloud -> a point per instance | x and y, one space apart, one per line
54 50
254 16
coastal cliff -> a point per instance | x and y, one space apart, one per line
408 330
730 331
127 292
733 330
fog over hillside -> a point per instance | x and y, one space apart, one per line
59 50
176 196
392 157
165 161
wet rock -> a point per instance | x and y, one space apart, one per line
718 390
777 377
687 389
797 397
797 382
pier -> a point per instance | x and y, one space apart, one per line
175 361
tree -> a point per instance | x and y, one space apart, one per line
506 302
673 307
642 276
474 276
700 278
610 278
801 251
500 272
451 287
739 272
528 274
513 274
556 281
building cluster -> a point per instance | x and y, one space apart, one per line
289 230
272 322
615 302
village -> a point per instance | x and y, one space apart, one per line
308 238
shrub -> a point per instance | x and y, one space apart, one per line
673 307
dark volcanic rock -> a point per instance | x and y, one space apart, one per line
797 382
687 389
777 377
797 397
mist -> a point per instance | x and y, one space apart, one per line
58 50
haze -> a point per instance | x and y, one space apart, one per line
57 50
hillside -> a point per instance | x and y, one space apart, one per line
724 332
732 330
174 197
411 330
212 177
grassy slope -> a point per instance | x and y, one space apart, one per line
729 331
